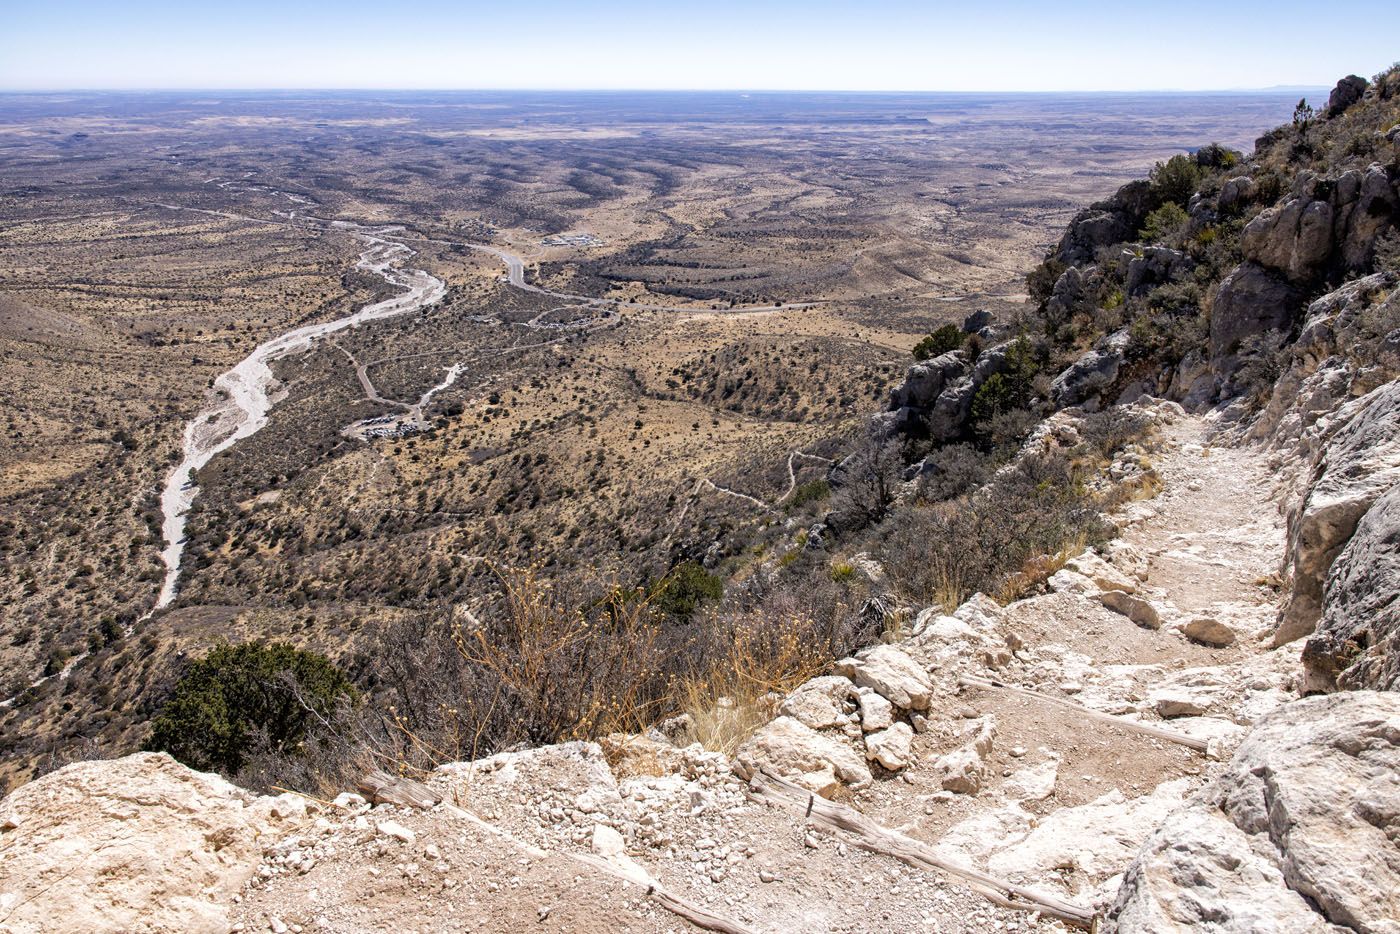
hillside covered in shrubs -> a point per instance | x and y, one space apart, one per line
1191 285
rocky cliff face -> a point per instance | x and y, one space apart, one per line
1174 285
1270 299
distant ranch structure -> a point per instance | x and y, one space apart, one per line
572 239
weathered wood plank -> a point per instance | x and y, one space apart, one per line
382 788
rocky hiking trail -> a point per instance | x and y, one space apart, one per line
996 769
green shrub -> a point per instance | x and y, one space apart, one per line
1176 180
1163 224
996 394
685 588
1007 391
810 492
843 572
946 338
242 698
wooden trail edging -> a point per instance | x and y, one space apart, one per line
869 835
382 788
1134 726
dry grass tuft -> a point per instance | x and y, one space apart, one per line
739 689
1037 570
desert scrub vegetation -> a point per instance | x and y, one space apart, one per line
546 660
813 491
1004 536
685 589
1010 391
1165 224
245 701
942 553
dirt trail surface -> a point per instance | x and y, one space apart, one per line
1063 799
1215 532
1059 802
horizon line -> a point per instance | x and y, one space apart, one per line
1276 88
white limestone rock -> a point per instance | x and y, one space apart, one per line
890 671
1300 831
137 843
1104 575
796 751
892 748
876 713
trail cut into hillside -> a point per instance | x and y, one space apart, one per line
998 768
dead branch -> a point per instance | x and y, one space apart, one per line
1134 726
773 789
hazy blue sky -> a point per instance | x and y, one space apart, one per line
869 45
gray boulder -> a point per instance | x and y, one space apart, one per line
1347 92
949 415
1090 231
925 381
1300 832
1086 378
976 321
820 762
1199 872
1357 465
1070 295
884 425
990 361
936 395
1250 302
1357 642
1103 224
1325 225
1192 383
1371 213
1155 266
1294 238
1235 194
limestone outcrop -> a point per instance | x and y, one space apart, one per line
1093 373
1357 642
1301 832
1251 302
1356 466
134 844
